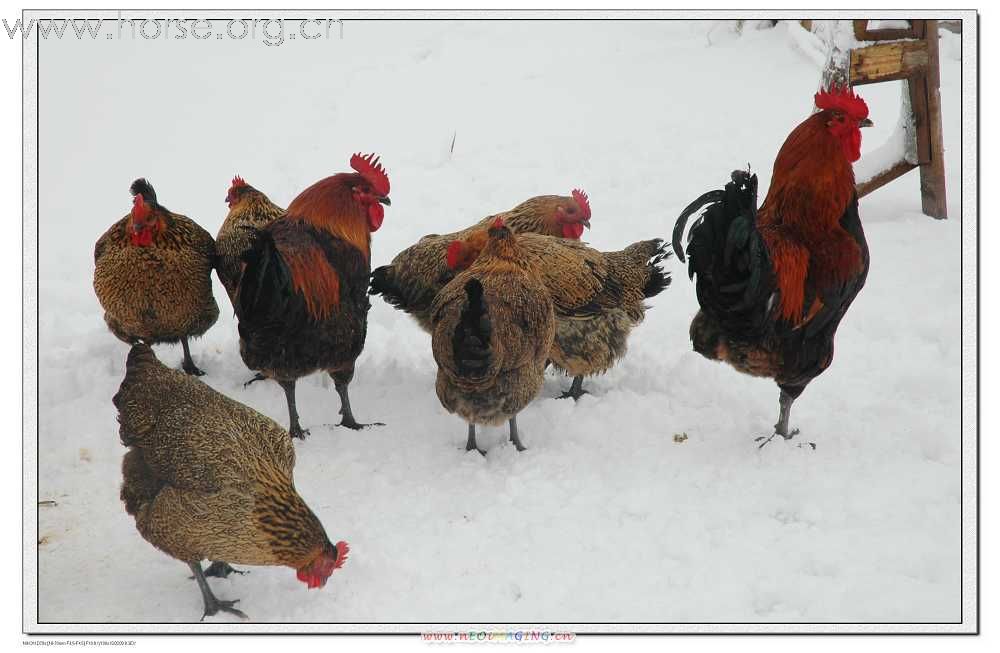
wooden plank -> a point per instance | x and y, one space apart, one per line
884 178
932 180
888 61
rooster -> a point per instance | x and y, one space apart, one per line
417 273
492 330
774 283
249 211
302 300
152 275
599 297
207 477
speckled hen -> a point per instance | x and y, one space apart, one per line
152 275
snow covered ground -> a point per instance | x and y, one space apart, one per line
605 518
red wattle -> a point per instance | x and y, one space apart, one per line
375 216
572 230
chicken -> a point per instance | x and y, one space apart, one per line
493 327
249 211
598 296
302 300
152 275
417 273
207 477
774 283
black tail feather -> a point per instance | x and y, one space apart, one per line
659 279
471 340
726 253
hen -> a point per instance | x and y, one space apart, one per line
599 297
249 211
417 273
206 477
492 330
152 275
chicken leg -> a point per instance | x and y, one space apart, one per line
188 364
470 444
294 429
212 604
514 437
341 379
576 390
785 401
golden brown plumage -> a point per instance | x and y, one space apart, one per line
493 326
599 297
152 275
249 211
207 477
417 273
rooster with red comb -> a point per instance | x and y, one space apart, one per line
774 282
302 300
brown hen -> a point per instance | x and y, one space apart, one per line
208 478
152 275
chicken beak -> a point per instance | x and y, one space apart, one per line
586 223
384 200
865 123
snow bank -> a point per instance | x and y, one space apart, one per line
605 517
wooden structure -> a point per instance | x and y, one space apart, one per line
909 54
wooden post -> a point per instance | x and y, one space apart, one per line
932 187
908 54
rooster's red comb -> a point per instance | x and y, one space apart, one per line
582 201
498 223
237 182
342 551
842 98
373 172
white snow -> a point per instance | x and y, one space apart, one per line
605 517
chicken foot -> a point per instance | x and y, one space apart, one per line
576 390
256 377
294 429
219 569
785 401
340 381
213 605
188 364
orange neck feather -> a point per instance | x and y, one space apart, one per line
799 220
329 205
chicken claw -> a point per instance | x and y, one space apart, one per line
223 606
212 604
576 390
256 377
791 434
